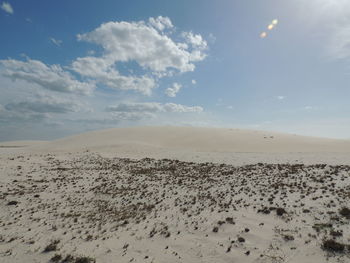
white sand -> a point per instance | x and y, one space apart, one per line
231 146
77 190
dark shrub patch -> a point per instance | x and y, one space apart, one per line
221 223
280 211
241 239
321 226
345 212
230 220
52 246
333 246
84 260
288 238
12 203
336 233
56 258
68 259
264 210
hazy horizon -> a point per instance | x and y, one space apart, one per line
71 67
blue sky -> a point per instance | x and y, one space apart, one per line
72 66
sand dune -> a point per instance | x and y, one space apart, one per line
15 144
198 139
236 196
230 146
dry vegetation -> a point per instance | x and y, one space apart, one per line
56 206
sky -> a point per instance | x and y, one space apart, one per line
68 67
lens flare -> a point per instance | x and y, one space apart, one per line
263 35
269 27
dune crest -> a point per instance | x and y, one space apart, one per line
198 139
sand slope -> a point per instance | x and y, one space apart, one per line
230 146
166 211
197 139
81 196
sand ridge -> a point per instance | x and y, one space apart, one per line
196 139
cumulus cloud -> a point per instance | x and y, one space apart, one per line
153 107
151 49
160 23
7 7
195 40
142 42
48 77
134 57
171 92
102 70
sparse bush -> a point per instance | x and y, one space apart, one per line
84 260
241 239
56 258
345 212
333 246
288 238
68 259
280 211
336 233
51 247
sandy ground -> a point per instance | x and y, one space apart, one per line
166 194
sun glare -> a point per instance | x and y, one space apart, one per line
271 26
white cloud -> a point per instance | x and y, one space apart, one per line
7 7
48 77
160 23
144 43
280 97
45 104
57 42
135 111
309 108
153 107
102 70
136 41
38 107
194 82
195 40
132 116
12 116
172 107
171 92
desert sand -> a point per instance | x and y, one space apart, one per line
175 194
